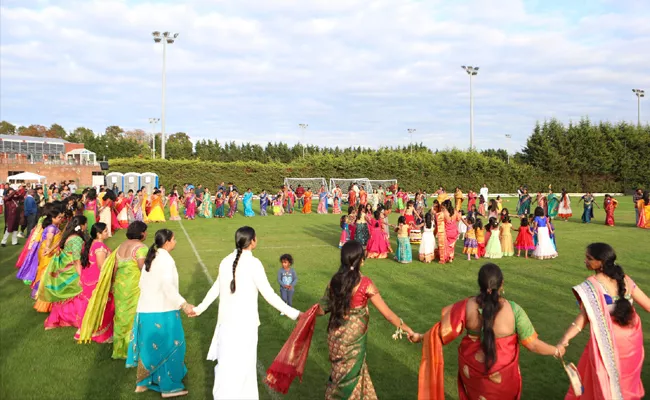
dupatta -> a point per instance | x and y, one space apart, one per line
97 303
290 362
605 360
431 381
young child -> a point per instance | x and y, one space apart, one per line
493 247
471 244
352 222
480 237
337 205
277 205
409 214
493 209
524 239
499 203
481 206
362 234
404 254
463 225
287 278
345 231
506 237
504 214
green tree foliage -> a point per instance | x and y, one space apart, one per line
7 128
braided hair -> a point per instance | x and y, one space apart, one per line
623 310
490 279
243 239
342 284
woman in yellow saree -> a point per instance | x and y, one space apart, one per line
124 264
643 206
49 244
488 355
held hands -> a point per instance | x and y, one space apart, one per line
188 309
560 349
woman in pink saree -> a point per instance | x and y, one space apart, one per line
610 366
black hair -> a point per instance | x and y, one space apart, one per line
351 209
98 228
493 205
623 310
401 219
539 212
287 257
136 230
490 279
344 219
646 197
428 221
339 292
162 236
524 221
505 219
71 229
492 223
51 211
110 195
450 208
243 238
478 224
92 194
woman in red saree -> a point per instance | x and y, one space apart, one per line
609 205
346 300
610 366
121 211
488 355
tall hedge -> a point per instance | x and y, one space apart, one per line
425 170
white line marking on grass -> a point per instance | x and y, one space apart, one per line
275 247
261 370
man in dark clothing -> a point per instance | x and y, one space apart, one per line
199 195
31 212
12 217
300 191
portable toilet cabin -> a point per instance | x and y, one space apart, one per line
149 180
115 179
131 181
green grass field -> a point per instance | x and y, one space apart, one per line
50 365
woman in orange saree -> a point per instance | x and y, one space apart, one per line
609 205
610 366
458 196
441 235
306 209
643 206
488 355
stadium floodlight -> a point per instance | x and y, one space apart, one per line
471 71
508 136
411 130
639 93
303 128
169 38
153 122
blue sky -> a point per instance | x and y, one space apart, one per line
358 72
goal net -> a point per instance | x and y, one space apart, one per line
386 183
313 183
344 184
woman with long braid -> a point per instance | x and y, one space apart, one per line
610 366
234 345
488 356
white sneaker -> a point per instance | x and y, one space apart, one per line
282 314
20 235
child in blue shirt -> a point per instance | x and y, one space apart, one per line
287 278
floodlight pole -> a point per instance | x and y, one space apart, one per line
303 128
471 71
166 38
639 93
153 122
410 131
508 136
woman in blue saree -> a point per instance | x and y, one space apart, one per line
524 204
588 207
219 206
248 203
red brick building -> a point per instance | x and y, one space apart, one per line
56 159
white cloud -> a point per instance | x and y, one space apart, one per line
359 72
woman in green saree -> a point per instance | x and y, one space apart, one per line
124 264
346 299
553 204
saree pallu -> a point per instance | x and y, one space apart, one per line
587 213
610 366
362 234
136 208
349 376
34 238
247 201
157 349
524 207
322 203
404 252
609 212
173 210
441 251
90 212
43 262
232 208
122 215
126 294
219 207
205 209
156 214
306 209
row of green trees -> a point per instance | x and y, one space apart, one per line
602 156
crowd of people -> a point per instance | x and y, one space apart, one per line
129 296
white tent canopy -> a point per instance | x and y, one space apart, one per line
26 176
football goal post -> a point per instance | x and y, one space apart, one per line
313 183
386 183
344 184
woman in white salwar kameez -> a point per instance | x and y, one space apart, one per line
234 345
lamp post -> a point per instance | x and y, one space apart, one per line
471 71
153 122
639 93
508 136
410 131
166 38
303 128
